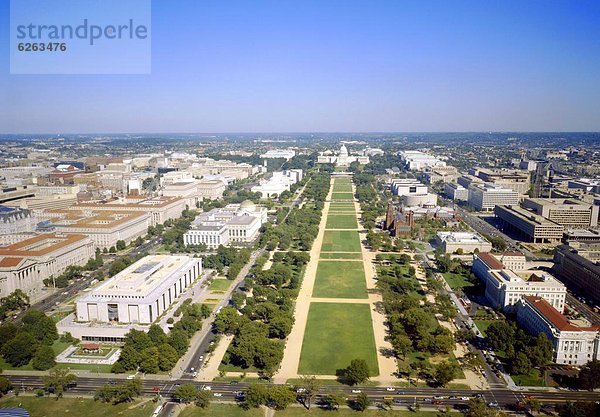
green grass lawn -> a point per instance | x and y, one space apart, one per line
341 204
337 221
220 285
340 280
482 325
534 379
51 407
335 334
457 281
342 196
221 410
342 188
333 255
340 241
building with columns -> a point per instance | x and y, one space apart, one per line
572 344
342 158
25 264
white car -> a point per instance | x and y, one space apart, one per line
206 388
217 394
130 376
465 398
356 391
390 389
300 390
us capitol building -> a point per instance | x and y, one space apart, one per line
341 159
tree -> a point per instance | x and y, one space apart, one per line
5 385
308 387
186 393
280 396
227 321
121 245
521 364
57 380
203 398
40 326
167 357
402 344
157 335
149 362
589 376
445 372
334 400
256 395
362 402
7 332
19 350
43 358
357 372
500 334
179 340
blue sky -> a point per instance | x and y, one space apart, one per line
298 66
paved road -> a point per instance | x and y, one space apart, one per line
505 398
584 309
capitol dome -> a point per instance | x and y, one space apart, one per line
343 150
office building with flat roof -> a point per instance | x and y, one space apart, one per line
572 344
418 161
235 223
487 196
456 192
141 292
568 212
505 287
105 228
467 242
25 264
528 224
578 273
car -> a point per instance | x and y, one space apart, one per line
233 382
438 397
217 394
130 376
356 391
492 404
427 400
300 390
390 389
206 388
194 374
397 400
465 398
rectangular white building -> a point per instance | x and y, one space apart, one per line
488 196
505 287
234 223
572 345
456 192
417 160
468 242
141 292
